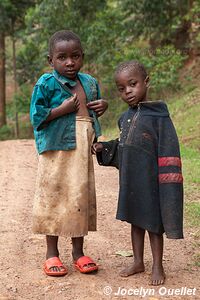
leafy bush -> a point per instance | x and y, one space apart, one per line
163 66
6 132
31 60
22 98
17 112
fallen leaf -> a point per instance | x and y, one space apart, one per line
124 253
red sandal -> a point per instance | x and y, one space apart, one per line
85 264
54 262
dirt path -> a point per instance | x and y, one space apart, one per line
22 253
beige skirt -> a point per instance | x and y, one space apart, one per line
65 199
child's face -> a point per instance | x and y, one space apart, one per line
67 58
131 86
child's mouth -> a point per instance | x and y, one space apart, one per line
131 100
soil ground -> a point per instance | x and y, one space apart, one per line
22 254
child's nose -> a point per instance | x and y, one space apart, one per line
128 89
69 62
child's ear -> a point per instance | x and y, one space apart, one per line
147 81
50 60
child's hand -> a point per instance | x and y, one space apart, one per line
97 147
99 106
70 105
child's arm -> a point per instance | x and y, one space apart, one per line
170 179
99 106
107 153
97 147
40 110
70 105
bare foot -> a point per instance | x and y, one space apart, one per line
53 266
158 275
132 269
54 254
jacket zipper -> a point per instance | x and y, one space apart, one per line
132 126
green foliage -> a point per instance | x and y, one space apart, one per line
22 98
166 64
111 31
6 132
42 23
5 8
163 65
20 104
12 14
194 15
158 21
36 54
103 37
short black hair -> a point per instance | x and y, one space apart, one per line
63 35
132 65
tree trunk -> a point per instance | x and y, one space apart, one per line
182 36
15 85
2 81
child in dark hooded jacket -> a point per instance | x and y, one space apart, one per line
148 158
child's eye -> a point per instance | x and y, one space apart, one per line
76 56
61 57
133 84
120 89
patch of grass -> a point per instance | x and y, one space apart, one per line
197 260
192 213
191 165
185 112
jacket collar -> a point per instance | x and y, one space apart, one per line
64 80
152 108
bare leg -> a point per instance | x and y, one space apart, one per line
158 274
52 246
52 250
137 237
77 250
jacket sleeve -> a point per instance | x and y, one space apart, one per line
39 109
170 179
109 154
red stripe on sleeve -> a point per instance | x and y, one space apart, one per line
169 161
170 178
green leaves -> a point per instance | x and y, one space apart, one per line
111 31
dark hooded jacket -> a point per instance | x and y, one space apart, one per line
148 158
